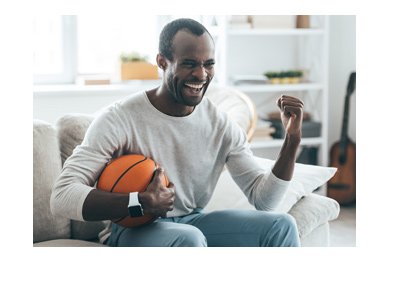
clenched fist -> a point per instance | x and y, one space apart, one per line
291 115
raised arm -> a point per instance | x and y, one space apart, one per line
292 116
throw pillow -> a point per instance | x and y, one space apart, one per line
306 179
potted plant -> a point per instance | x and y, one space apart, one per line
136 66
273 77
295 76
284 77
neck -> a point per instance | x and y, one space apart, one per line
161 99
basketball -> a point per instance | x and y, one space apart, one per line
126 174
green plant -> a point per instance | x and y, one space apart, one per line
133 57
271 75
283 74
294 73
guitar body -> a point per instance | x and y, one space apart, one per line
342 186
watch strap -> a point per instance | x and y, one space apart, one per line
134 199
134 206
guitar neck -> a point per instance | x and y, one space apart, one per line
344 137
345 122
351 85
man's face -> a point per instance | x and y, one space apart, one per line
191 69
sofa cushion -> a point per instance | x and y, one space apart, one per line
71 129
46 168
312 211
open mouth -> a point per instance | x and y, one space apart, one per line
195 87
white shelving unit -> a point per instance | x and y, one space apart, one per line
249 53
279 87
275 32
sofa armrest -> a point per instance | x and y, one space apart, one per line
312 211
46 169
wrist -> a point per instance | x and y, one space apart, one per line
284 166
292 140
140 198
143 200
134 207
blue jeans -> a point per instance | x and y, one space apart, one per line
218 228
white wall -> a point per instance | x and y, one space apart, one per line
342 61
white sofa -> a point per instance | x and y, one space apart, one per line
53 144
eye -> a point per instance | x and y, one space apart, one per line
209 64
189 64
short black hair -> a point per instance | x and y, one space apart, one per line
169 31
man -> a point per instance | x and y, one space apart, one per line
182 131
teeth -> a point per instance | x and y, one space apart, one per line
197 86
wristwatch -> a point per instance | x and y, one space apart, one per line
134 207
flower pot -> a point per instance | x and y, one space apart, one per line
294 80
303 22
275 80
285 80
138 70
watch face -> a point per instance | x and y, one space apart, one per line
135 211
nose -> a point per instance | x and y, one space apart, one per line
200 72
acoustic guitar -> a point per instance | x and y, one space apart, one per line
342 186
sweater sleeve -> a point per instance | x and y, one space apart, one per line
262 188
83 167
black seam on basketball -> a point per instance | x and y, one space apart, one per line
127 170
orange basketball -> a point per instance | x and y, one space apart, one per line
126 174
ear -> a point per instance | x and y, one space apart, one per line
162 62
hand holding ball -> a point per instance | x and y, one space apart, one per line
126 174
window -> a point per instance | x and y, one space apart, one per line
101 40
66 47
53 49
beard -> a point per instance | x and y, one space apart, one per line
183 94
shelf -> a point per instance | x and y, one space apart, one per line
275 32
258 143
277 87
279 48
